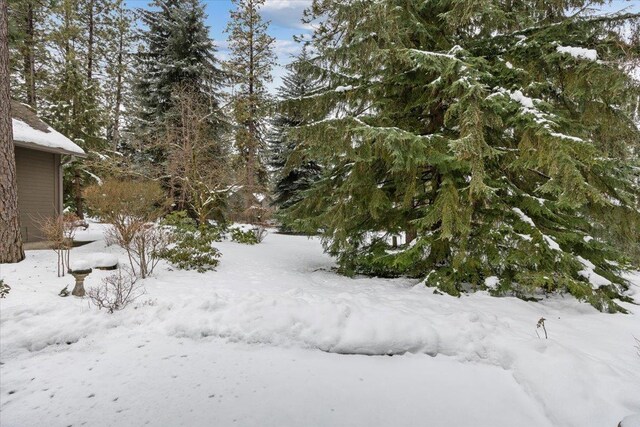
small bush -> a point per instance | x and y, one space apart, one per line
181 221
192 247
193 250
4 289
116 292
249 237
132 207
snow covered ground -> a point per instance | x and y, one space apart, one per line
275 338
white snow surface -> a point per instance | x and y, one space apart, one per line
589 273
51 139
524 217
276 338
93 260
579 52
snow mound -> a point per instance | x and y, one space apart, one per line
94 260
631 421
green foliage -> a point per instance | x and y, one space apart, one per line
248 237
485 135
176 50
192 247
290 182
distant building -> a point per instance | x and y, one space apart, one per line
39 154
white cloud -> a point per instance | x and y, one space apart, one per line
286 13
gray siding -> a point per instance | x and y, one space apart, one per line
39 193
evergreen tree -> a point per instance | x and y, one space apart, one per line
178 62
176 51
117 85
250 65
72 103
495 136
290 182
29 55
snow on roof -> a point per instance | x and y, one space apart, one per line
31 132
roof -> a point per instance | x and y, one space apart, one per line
29 131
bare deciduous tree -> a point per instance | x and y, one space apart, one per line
197 157
60 230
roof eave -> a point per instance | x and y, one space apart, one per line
54 150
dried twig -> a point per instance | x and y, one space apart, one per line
539 325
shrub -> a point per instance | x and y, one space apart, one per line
192 246
193 251
60 230
116 292
4 289
132 207
249 237
245 237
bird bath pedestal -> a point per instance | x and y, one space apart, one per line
79 275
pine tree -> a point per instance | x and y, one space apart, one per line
291 182
250 65
495 136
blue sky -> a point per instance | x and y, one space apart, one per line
285 18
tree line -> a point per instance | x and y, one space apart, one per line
144 93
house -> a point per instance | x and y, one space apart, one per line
40 151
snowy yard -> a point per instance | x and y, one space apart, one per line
275 338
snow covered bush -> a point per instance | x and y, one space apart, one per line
132 208
192 246
116 292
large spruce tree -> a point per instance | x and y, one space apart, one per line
175 51
496 136
291 181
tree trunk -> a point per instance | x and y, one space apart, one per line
252 130
29 57
77 189
90 43
116 112
10 239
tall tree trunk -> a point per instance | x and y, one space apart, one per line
10 239
90 42
29 57
251 149
116 112
118 104
77 187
